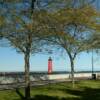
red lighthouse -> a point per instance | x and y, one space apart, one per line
49 65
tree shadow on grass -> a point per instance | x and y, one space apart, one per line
86 94
45 97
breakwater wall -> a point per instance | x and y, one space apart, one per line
6 78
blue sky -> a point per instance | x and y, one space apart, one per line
12 61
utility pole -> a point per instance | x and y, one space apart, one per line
92 63
93 74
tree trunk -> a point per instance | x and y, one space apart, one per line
27 76
72 72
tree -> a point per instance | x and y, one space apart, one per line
72 29
24 30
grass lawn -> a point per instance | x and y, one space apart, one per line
84 90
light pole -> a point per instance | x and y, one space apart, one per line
93 74
92 63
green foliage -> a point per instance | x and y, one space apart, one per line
74 27
29 32
1 21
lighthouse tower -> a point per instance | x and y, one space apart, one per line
49 65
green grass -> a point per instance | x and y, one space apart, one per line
84 90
